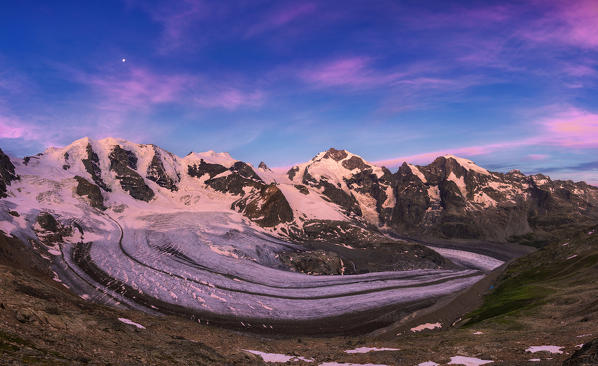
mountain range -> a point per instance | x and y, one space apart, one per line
450 198
332 246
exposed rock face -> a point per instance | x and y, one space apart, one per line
355 162
241 175
316 262
92 165
586 356
263 203
7 173
263 166
50 232
453 198
339 232
47 222
267 207
205 168
334 193
335 154
157 173
291 173
340 197
412 199
91 191
124 163
369 184
301 188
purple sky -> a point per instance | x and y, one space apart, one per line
506 84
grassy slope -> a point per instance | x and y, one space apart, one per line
561 277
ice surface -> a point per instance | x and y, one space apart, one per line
474 260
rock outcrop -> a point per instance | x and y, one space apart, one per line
157 173
7 173
586 356
124 164
92 166
91 191
267 206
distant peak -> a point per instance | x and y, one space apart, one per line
210 156
467 164
263 166
335 154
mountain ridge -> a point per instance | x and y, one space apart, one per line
451 197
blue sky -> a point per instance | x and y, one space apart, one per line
506 84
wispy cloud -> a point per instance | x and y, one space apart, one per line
571 23
359 73
14 128
570 128
280 17
177 20
136 87
350 71
231 99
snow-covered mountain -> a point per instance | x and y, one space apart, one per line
452 197
208 236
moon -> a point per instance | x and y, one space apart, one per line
124 59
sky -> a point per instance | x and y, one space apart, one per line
509 85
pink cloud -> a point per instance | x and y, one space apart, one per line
354 72
280 18
574 23
536 157
467 151
138 87
580 70
12 128
358 73
571 128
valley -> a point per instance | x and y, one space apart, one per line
335 247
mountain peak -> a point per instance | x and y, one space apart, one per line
213 157
467 164
335 154
263 166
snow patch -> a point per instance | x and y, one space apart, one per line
370 349
350 364
130 322
277 357
551 349
468 164
421 327
415 170
468 361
